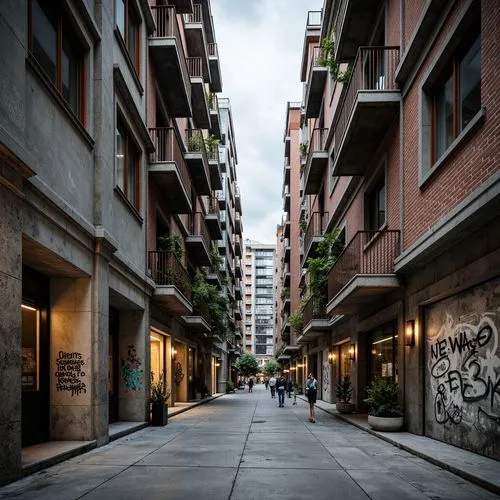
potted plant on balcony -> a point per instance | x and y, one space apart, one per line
343 392
384 413
159 397
171 243
327 59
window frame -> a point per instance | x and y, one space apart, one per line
130 6
63 20
372 189
128 139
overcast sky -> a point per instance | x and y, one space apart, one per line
260 49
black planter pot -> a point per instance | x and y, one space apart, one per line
159 414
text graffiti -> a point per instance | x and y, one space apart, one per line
70 372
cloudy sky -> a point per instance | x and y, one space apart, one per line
260 50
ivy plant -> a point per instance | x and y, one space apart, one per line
171 243
327 59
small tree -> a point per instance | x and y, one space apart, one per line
247 364
296 321
271 367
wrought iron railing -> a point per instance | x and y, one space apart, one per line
198 227
213 205
316 228
314 308
373 70
167 270
368 253
316 144
168 148
212 50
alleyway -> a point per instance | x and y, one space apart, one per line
243 447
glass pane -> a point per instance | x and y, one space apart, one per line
444 117
381 206
131 174
132 38
45 38
31 347
71 76
470 84
120 16
120 158
384 355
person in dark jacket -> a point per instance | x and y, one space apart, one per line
281 387
289 387
250 384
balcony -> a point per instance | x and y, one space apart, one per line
238 315
353 27
199 100
238 295
363 272
237 199
238 225
197 161
316 320
214 166
287 250
286 198
199 321
237 246
173 284
286 275
215 73
168 169
214 277
317 160
238 268
314 234
315 84
183 6
370 104
312 36
221 244
213 105
196 40
167 53
238 332
286 226
212 218
221 197
286 172
198 241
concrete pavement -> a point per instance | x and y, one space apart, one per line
243 447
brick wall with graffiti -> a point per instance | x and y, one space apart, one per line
462 376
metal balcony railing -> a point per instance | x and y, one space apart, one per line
213 101
167 270
168 148
373 70
165 21
314 18
316 227
212 50
213 205
314 308
213 152
195 141
368 253
196 16
194 67
317 57
198 227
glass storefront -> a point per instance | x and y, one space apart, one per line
384 352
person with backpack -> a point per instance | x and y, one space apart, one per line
312 393
272 385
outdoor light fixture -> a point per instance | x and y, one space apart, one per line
331 357
174 353
352 352
410 332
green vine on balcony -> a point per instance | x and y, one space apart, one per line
171 243
327 59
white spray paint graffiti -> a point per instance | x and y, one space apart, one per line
464 367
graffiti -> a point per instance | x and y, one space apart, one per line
179 374
465 372
69 373
326 377
132 374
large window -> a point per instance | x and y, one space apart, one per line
128 23
127 165
375 205
457 93
58 52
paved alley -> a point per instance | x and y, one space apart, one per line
243 447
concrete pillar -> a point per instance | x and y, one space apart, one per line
10 332
222 371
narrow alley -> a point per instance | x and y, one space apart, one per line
243 446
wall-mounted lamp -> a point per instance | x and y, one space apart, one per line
352 352
174 353
410 332
331 357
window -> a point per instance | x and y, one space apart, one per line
128 23
456 95
127 165
375 206
58 53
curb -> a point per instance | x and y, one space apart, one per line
194 405
494 488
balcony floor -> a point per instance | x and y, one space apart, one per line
172 300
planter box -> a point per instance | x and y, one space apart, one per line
159 414
345 407
385 424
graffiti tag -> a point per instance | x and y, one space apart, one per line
131 372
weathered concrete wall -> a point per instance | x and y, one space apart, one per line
462 370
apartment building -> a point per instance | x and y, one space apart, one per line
259 300
109 182
400 118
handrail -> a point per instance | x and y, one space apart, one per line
167 270
196 16
316 227
198 227
212 49
314 308
314 18
194 67
368 253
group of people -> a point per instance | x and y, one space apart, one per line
282 386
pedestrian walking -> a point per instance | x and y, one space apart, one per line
281 387
289 387
266 383
250 384
272 385
312 394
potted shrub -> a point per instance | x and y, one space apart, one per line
384 413
229 386
159 396
344 395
